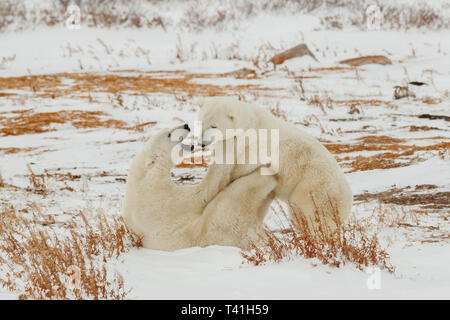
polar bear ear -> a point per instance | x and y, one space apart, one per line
231 115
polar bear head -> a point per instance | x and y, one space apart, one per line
158 152
224 113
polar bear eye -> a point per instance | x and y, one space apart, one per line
149 163
179 132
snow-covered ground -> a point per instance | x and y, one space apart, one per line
84 101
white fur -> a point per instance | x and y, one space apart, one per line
309 177
171 217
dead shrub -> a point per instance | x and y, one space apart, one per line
350 244
40 263
277 112
37 183
198 16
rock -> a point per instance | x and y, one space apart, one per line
433 117
417 83
355 62
402 92
297 51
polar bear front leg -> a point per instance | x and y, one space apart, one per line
233 216
217 178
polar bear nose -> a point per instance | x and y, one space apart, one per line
186 127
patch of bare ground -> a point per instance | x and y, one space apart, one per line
305 77
177 82
422 128
406 197
331 69
398 154
48 182
429 100
13 150
28 121
40 263
363 102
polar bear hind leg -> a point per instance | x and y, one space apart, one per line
324 206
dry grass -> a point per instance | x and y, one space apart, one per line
26 122
429 100
350 244
399 15
363 102
407 197
94 13
40 263
277 112
323 102
13 150
196 16
2 182
332 69
37 183
177 83
398 152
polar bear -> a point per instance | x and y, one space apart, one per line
171 217
309 178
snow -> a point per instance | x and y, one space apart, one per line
218 273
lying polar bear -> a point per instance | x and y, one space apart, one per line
171 217
309 177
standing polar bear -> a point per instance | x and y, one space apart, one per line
309 177
171 217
